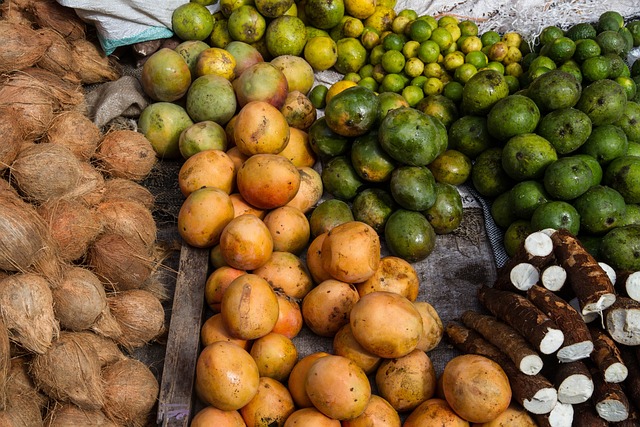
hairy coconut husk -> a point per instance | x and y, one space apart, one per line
67 95
24 403
30 103
130 392
93 65
72 225
50 14
44 172
21 46
58 57
11 138
26 306
76 131
17 11
140 315
121 263
69 415
107 349
78 299
5 363
126 154
122 188
90 187
129 219
70 371
25 242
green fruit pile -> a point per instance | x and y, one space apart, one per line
379 163
564 150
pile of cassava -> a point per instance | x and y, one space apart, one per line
79 258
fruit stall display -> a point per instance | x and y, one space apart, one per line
313 215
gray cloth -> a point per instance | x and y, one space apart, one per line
120 98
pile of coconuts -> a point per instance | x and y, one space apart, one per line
79 259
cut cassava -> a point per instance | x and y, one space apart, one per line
74 130
589 281
130 392
577 340
521 271
516 310
122 264
70 371
505 338
573 382
26 305
628 284
610 400
622 321
126 154
534 392
585 414
73 226
553 277
607 357
560 416
140 315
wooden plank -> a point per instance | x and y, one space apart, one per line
175 402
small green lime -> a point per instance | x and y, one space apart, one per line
556 214
502 211
318 95
515 234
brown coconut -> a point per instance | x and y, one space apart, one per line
31 104
17 11
79 299
62 19
121 263
128 218
122 188
107 349
70 371
58 57
45 172
93 65
72 225
126 154
11 138
24 404
67 95
69 415
5 363
21 46
26 306
130 392
76 131
91 186
140 315
25 242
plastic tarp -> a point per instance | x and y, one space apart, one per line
125 22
